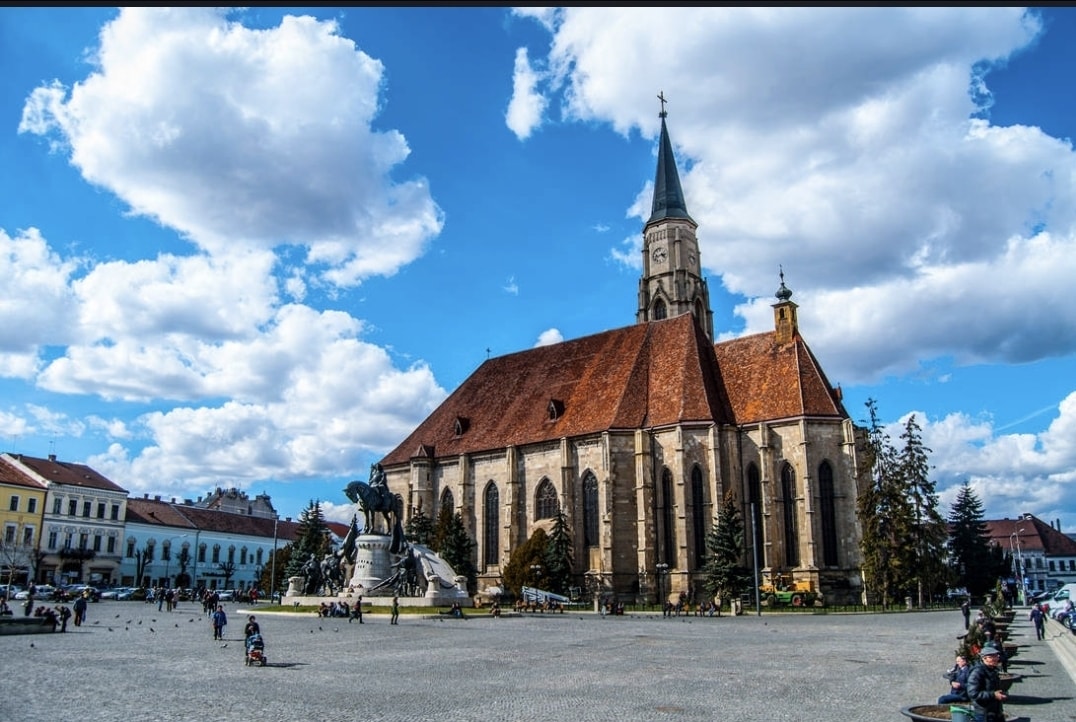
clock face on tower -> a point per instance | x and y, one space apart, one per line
660 254
691 259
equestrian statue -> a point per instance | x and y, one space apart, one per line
375 497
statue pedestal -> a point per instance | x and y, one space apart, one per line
373 562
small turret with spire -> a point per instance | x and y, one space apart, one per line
786 327
672 282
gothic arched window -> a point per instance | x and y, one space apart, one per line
590 510
698 516
828 507
668 517
788 496
492 512
660 311
545 501
447 502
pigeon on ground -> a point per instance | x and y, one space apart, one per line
110 629
152 629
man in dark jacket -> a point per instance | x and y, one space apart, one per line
984 687
958 682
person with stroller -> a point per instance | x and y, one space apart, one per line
252 634
250 630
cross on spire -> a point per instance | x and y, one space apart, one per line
661 97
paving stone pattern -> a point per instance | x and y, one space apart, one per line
131 662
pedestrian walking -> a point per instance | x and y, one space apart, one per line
1038 618
395 609
356 611
220 621
80 609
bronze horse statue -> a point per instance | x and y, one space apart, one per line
376 497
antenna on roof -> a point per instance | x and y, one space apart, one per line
487 353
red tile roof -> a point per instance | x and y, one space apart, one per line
63 472
183 517
639 376
1034 534
14 476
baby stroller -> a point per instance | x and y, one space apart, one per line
256 650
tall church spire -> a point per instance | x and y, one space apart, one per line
668 195
672 282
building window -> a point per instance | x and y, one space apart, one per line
698 516
101 510
828 507
447 502
53 538
27 536
72 507
545 501
68 537
788 496
258 556
31 505
660 311
57 505
492 516
86 508
667 514
83 541
13 504
166 551
115 512
754 497
1052 565
216 553
201 553
151 548
243 555
9 533
231 555
590 510
111 546
130 549
97 542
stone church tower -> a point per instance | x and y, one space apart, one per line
638 434
672 282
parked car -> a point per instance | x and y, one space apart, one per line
125 594
225 595
115 592
73 591
41 591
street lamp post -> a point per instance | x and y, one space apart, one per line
272 572
1021 592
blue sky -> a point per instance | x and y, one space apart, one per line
256 248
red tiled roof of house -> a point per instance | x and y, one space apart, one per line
14 476
181 517
1034 535
639 376
64 472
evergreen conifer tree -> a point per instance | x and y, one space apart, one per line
557 569
724 574
971 563
925 555
312 537
419 528
457 549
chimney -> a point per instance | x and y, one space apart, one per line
52 457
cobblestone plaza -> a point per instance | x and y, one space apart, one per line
131 662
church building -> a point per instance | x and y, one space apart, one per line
639 432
